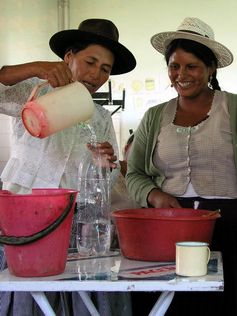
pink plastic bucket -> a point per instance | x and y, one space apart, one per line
45 212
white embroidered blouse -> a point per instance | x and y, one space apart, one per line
52 161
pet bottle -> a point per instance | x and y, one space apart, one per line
93 216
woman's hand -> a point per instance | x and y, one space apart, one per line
106 151
56 73
159 199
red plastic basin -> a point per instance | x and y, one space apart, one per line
150 234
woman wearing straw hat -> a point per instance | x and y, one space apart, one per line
90 55
184 152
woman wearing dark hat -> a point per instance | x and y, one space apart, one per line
90 55
185 151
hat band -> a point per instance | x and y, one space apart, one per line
193 33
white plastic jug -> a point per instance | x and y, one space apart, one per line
56 110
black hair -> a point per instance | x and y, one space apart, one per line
76 47
130 139
201 51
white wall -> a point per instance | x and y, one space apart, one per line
26 26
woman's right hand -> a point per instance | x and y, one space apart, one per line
56 73
159 199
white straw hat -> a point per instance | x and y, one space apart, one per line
196 30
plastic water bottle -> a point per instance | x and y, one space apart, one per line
93 217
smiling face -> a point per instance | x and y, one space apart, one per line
91 66
188 74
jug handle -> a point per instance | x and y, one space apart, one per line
35 91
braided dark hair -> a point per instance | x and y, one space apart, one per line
200 51
214 82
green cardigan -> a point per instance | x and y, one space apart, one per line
142 175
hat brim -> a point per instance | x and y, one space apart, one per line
161 40
124 60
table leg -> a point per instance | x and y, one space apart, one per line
162 304
43 303
89 304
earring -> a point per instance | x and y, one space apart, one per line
209 82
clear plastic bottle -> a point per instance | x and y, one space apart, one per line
93 217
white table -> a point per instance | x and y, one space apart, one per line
115 273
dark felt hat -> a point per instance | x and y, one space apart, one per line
98 31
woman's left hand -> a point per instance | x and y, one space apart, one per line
106 151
